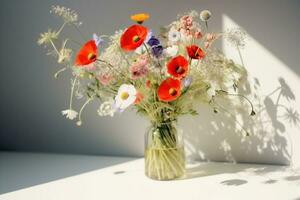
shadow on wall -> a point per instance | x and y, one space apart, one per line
220 136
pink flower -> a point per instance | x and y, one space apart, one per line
186 21
186 32
105 79
140 67
143 60
198 34
138 71
207 44
210 37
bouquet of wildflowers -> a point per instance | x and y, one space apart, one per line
162 75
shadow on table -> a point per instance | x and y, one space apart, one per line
23 170
216 168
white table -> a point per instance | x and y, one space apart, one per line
36 176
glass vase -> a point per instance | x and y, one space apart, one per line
164 152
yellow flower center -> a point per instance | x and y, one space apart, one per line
179 70
172 92
136 38
124 95
91 56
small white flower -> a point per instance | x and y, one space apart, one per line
205 15
70 114
64 55
236 37
79 123
171 51
68 15
107 108
174 35
126 96
47 37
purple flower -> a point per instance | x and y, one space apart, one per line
157 50
156 47
187 81
153 41
98 40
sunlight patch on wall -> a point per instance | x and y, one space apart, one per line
276 88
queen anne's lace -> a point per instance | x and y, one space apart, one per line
68 15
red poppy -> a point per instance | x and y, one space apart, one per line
195 52
169 90
178 67
133 37
87 54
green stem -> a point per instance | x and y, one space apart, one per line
61 28
54 47
72 91
83 106
59 71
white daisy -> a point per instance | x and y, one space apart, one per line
126 96
107 108
174 35
171 51
70 114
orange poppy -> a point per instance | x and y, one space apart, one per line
139 97
87 54
140 17
169 90
178 67
195 52
133 37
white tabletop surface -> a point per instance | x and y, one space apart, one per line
37 176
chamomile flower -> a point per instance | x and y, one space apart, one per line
174 35
107 108
126 96
70 114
